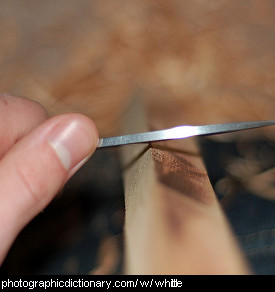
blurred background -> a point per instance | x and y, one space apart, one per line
197 62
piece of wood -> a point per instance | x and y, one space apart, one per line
173 222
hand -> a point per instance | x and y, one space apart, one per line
38 155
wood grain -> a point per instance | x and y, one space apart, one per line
201 62
214 62
173 223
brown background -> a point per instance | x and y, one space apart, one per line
197 61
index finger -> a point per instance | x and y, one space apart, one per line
18 116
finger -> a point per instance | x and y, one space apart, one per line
18 116
37 167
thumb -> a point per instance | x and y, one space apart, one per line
34 170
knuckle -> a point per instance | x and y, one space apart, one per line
32 185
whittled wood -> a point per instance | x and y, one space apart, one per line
173 223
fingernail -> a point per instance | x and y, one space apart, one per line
72 142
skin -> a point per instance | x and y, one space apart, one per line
38 155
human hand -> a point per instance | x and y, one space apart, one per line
37 156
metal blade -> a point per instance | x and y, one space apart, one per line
180 132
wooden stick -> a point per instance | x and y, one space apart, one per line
173 222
